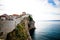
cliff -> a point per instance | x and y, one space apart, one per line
22 29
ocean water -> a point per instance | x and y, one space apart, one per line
47 30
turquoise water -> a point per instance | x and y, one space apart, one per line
47 30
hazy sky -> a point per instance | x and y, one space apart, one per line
40 9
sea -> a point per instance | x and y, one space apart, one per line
47 30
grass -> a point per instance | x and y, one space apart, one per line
19 33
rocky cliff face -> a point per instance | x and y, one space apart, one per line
22 30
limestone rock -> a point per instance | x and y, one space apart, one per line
22 31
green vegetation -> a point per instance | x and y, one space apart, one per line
19 33
30 18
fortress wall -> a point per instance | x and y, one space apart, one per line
7 26
17 21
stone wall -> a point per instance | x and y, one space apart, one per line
8 27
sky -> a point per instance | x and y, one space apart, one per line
40 9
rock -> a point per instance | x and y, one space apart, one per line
23 30
19 33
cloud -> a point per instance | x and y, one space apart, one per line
58 0
51 2
40 9
55 3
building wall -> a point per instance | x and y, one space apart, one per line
7 26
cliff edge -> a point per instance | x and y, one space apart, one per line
22 29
